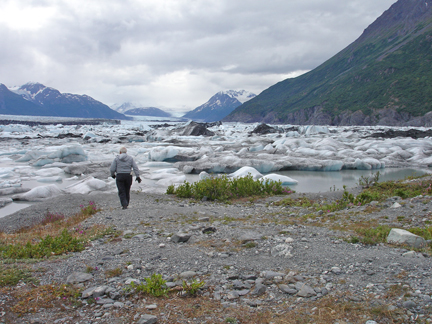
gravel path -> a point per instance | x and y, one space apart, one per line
296 256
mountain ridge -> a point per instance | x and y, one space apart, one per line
35 99
219 105
381 78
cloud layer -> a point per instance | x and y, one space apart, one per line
172 53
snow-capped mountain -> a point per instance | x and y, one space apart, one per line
219 106
121 108
51 102
148 111
136 109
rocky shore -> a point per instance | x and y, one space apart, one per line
260 263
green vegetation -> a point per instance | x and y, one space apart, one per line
377 192
193 286
388 68
154 286
46 247
10 276
225 189
113 272
55 234
371 236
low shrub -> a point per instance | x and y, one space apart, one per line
52 218
193 286
224 188
12 275
372 236
46 247
154 286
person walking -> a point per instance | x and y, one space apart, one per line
121 170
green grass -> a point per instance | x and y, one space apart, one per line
376 192
46 247
10 276
226 189
155 286
53 235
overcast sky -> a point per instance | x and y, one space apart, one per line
172 53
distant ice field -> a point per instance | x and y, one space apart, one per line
40 162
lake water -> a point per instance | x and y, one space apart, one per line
309 181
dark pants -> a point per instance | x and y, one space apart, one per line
124 183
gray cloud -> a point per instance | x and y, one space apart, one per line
173 53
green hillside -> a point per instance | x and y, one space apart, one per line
388 67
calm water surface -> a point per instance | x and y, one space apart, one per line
309 181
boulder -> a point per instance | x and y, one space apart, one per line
401 236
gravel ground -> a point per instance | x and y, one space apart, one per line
294 261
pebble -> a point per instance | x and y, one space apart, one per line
242 276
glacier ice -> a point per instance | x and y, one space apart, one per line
245 171
87 185
277 177
38 193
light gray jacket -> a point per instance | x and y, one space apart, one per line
124 163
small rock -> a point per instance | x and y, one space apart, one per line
409 304
147 319
180 237
259 290
187 274
77 277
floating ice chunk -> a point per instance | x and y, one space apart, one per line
313 130
243 151
292 134
41 192
31 155
245 171
5 201
306 151
10 183
6 173
89 135
72 178
49 172
15 128
162 174
157 164
256 148
87 185
171 181
163 153
277 177
49 179
269 147
69 154
42 162
168 170
204 175
371 151
368 164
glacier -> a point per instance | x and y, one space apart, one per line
76 158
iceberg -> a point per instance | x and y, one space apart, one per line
277 177
49 179
49 172
171 181
86 186
245 171
39 193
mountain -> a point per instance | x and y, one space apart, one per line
219 106
45 101
13 104
384 78
121 108
136 109
149 111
